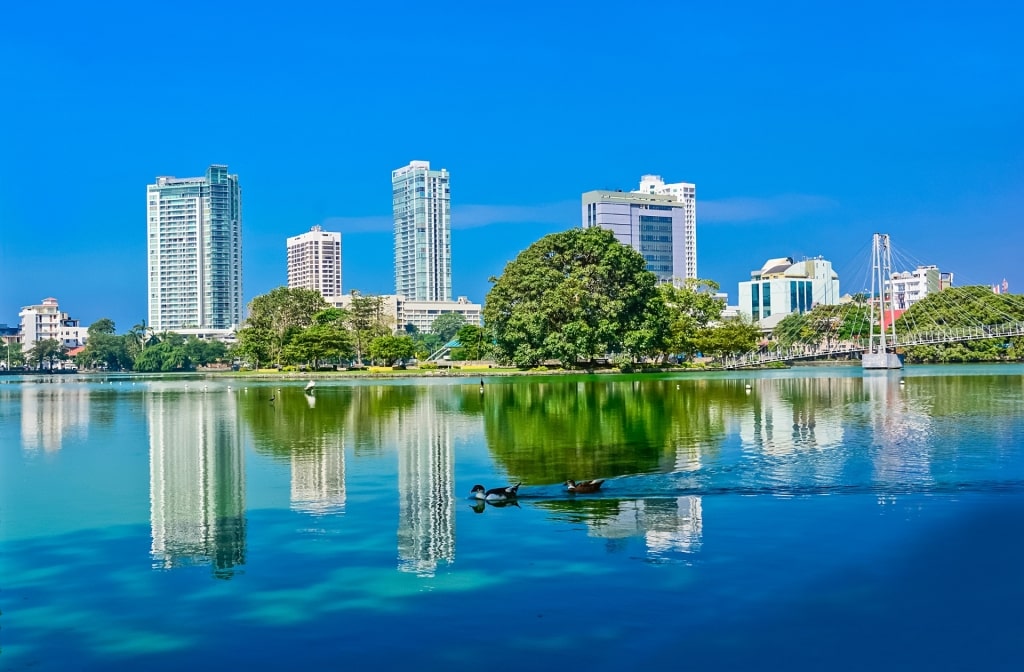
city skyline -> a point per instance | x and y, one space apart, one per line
807 129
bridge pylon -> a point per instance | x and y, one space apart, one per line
881 352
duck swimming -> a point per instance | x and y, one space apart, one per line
584 486
495 494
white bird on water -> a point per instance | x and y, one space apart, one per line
310 385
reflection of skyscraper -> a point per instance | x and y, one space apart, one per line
426 515
49 414
785 415
667 525
318 477
197 481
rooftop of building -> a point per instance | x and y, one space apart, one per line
628 197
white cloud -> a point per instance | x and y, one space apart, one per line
474 216
370 224
470 217
724 210
771 208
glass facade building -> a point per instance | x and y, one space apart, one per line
422 212
655 225
781 287
194 247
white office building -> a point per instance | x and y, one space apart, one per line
909 287
659 221
314 261
194 231
422 213
782 286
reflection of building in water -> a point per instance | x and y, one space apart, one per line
197 481
902 432
667 525
794 414
426 514
51 413
318 477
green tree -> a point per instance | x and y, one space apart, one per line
135 339
104 325
447 325
691 308
320 343
49 350
572 296
255 346
472 343
392 349
166 352
729 337
280 313
103 348
202 352
969 306
11 355
367 321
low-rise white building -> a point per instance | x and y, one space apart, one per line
399 311
909 287
782 286
45 321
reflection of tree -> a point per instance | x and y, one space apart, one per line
548 431
290 424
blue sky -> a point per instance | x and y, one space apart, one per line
806 127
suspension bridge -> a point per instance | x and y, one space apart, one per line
879 343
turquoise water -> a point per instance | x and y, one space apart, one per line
821 519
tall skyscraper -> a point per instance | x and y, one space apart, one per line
423 250
655 225
314 261
195 251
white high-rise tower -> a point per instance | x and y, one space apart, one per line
194 233
314 261
423 250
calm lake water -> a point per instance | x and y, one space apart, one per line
821 519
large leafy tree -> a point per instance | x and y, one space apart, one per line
690 309
730 337
319 343
49 350
279 314
969 306
472 343
165 352
392 349
573 296
103 348
447 325
367 321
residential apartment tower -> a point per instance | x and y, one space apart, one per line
422 214
195 252
314 261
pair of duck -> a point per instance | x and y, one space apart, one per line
512 491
